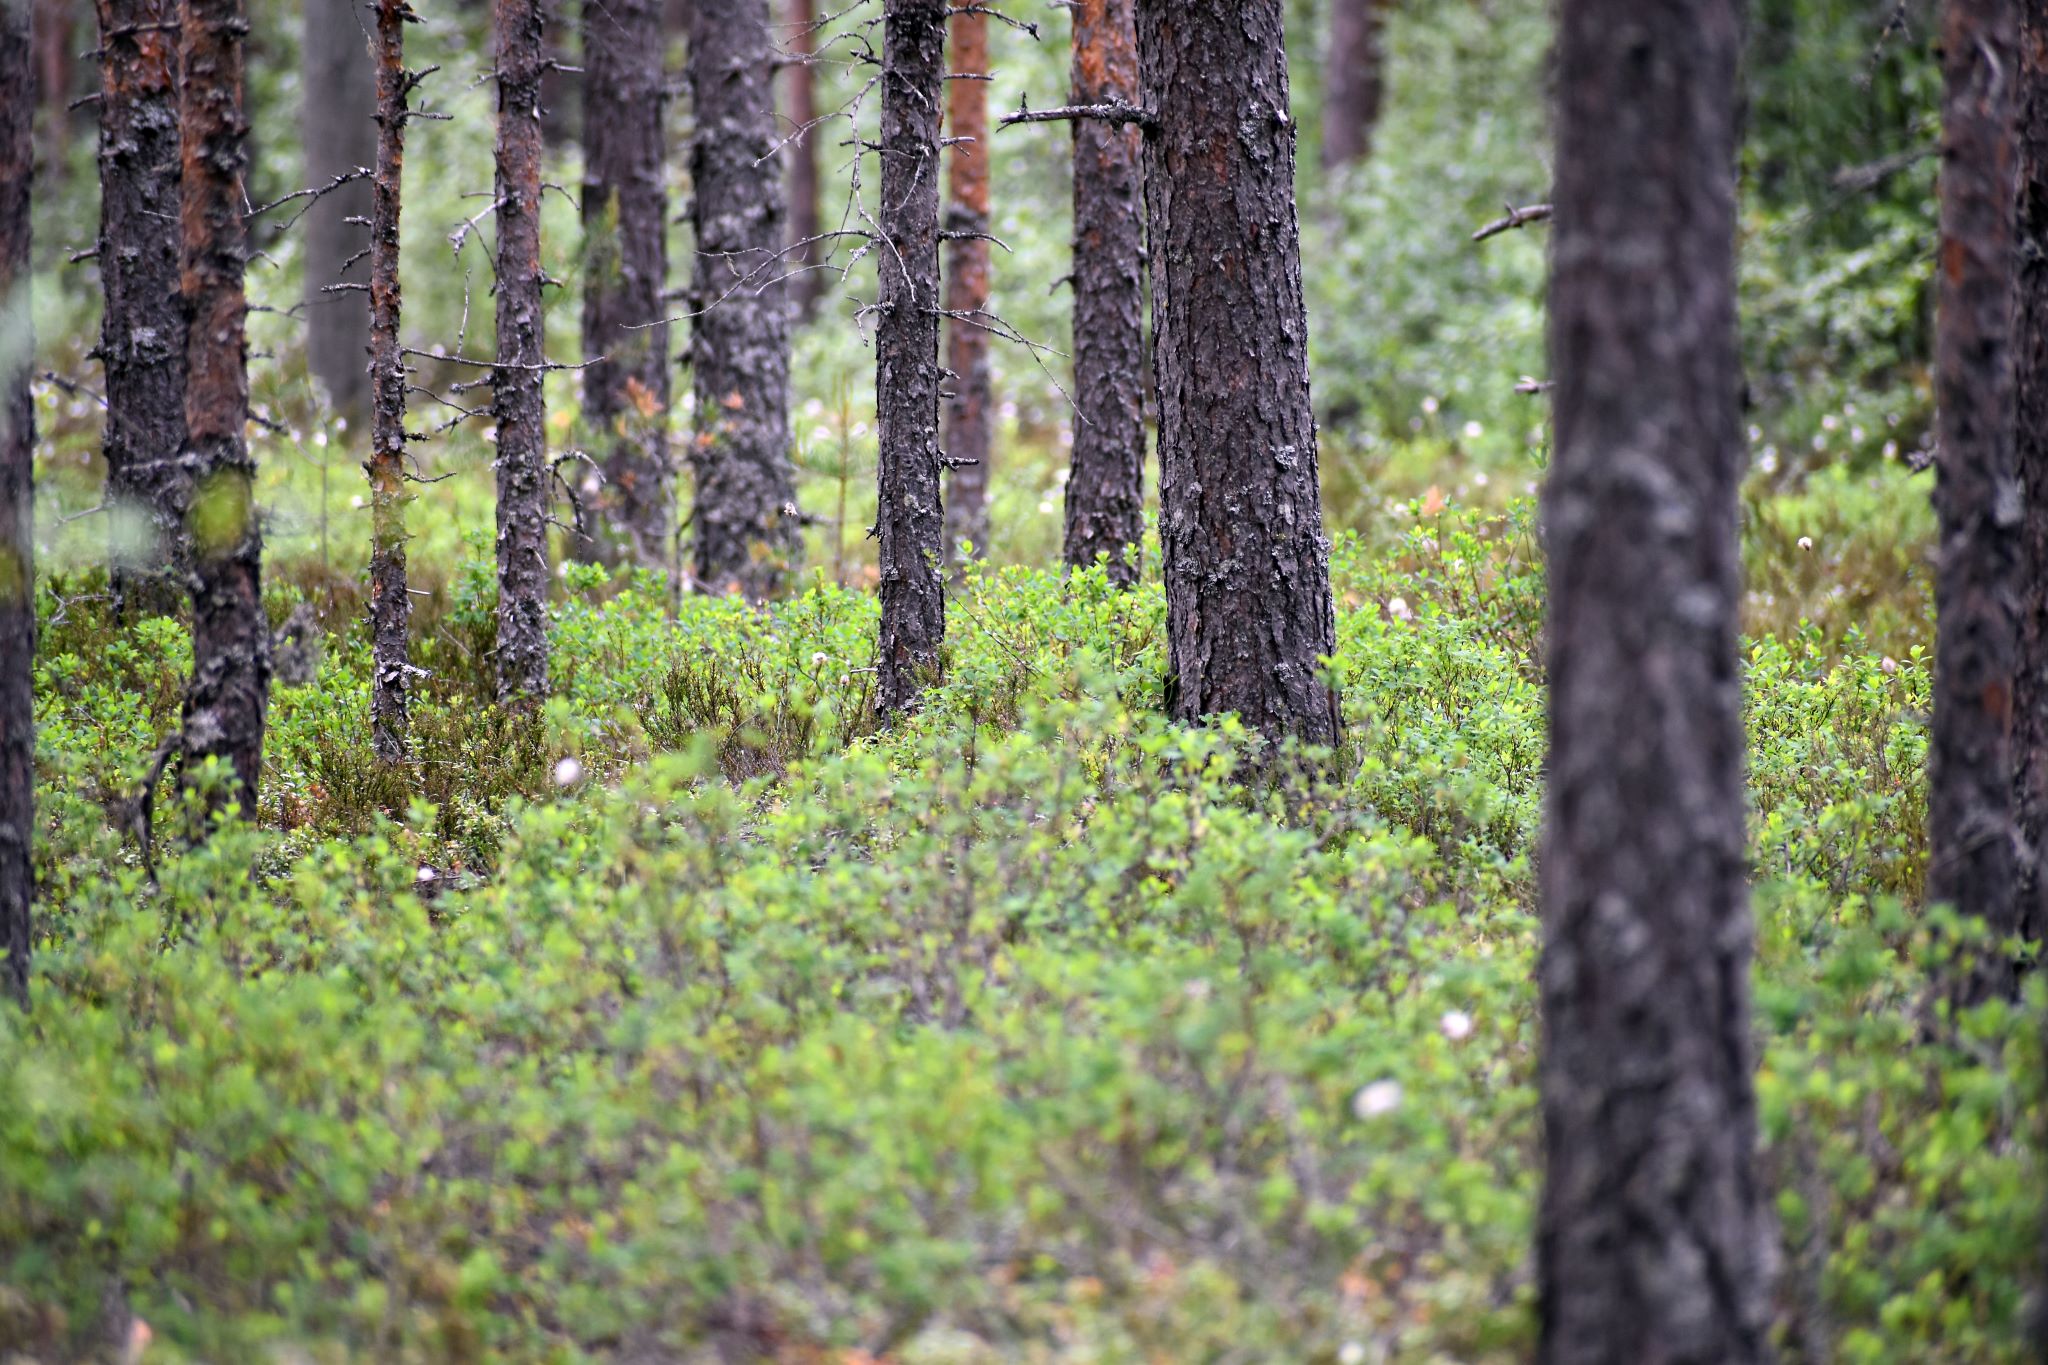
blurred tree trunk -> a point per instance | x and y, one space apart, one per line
142 325
800 40
1977 494
748 538
910 520
54 45
2030 353
1354 79
516 402
229 697
625 250
1249 613
340 136
17 503
1105 512
390 604
1652 1232
968 444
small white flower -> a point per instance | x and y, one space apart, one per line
1830 422
1379 1098
356 501
1399 609
320 439
1351 1353
568 771
1473 431
1888 665
818 659
846 679
1456 1025
1480 478
1429 405
426 876
1806 542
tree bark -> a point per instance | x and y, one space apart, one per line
1354 81
910 520
1249 613
1977 494
748 538
390 603
625 244
142 326
2030 349
807 287
516 403
968 443
340 134
229 697
17 503
1652 1231
1105 512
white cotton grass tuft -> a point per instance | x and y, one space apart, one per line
1456 1025
568 771
1351 1353
1376 1100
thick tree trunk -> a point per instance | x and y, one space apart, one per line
625 246
1249 614
1652 1233
968 443
800 25
17 503
1354 80
1105 511
230 693
1977 494
2030 355
390 604
142 326
516 403
748 538
340 135
910 520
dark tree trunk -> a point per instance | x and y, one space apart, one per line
1354 80
1977 496
1249 614
1105 511
910 521
516 404
1652 1233
969 420
340 133
142 327
390 604
2030 354
55 47
800 26
625 246
17 504
748 537
230 693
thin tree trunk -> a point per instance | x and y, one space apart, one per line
1105 512
1977 495
625 245
516 401
17 504
2030 351
54 47
1354 82
230 692
1651 1236
800 26
390 604
142 326
968 442
910 520
748 538
1249 613
340 135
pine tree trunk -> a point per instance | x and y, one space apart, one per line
625 236
800 25
230 692
390 604
747 536
17 504
2030 356
1651 1239
1977 495
968 443
1354 82
1105 512
516 402
1249 613
910 520
340 136
142 326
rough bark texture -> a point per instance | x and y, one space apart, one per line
340 135
800 23
910 522
625 270
142 326
516 384
390 604
17 502
747 536
230 692
970 421
1105 511
2030 351
1977 496
1354 79
1652 1233
1249 614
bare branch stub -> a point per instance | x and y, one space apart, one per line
1115 111
1516 218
